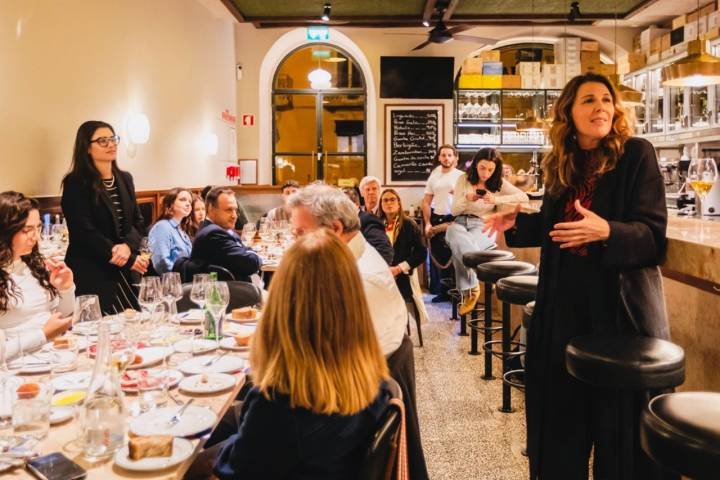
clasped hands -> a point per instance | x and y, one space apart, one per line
121 255
592 227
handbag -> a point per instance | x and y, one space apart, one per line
642 300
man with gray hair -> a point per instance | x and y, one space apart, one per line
322 206
370 191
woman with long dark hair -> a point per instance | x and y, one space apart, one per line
31 287
168 241
478 192
603 213
191 223
104 221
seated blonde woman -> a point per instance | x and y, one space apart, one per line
31 287
318 369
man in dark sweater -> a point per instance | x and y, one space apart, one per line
217 243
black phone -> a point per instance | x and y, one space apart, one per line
56 466
481 192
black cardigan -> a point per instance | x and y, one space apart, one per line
409 247
94 230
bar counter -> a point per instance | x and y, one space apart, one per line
691 274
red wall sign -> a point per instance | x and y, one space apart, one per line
248 120
228 117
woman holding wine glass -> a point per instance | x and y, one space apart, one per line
36 294
104 222
603 215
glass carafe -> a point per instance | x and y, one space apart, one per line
103 425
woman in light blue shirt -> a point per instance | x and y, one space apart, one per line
168 241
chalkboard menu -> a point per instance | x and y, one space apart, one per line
412 139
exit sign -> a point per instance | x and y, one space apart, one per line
317 33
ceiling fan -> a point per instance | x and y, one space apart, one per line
440 33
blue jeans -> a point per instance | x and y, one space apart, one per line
465 235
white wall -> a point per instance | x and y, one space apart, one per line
66 61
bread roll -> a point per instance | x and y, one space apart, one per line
150 446
244 313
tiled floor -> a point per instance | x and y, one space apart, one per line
463 434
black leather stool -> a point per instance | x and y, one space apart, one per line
516 378
514 290
472 260
681 432
489 273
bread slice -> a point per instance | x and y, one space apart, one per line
150 446
244 313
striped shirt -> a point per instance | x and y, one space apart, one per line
114 194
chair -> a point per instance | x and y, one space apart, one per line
412 306
242 294
381 456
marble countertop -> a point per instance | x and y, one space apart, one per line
694 247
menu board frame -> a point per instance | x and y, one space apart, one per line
439 108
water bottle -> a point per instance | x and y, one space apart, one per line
211 296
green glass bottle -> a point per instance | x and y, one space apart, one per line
212 297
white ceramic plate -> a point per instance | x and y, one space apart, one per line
226 364
72 381
214 382
42 362
229 343
60 414
174 378
182 449
156 422
235 328
197 346
81 344
193 316
150 356
254 319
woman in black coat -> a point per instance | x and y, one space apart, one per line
406 239
603 213
104 221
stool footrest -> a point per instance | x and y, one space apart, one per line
488 347
515 378
479 325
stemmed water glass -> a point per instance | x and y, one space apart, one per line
702 174
87 309
10 346
150 295
248 233
217 298
197 293
144 249
172 291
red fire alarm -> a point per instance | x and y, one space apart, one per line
248 120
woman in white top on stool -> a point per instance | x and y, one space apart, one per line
36 294
478 192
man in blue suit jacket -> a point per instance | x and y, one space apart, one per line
217 243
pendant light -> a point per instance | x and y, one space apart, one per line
531 123
698 69
628 96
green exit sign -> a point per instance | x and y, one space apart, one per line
317 33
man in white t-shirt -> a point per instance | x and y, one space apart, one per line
437 204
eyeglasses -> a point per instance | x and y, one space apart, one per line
105 141
389 200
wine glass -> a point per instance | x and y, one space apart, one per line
217 298
248 233
86 310
144 249
172 291
197 293
702 174
150 295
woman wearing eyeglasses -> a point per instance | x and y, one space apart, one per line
104 222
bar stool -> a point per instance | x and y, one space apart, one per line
516 378
454 295
514 290
681 432
472 260
489 273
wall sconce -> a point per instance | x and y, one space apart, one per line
138 128
209 144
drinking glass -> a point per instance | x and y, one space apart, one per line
197 293
248 233
217 298
56 236
31 412
144 249
87 309
172 291
64 359
150 294
153 388
702 174
10 346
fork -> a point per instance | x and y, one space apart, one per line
176 418
213 359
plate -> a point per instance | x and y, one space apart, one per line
254 319
42 362
72 381
198 346
91 327
67 398
116 345
80 341
150 356
235 328
193 316
226 364
214 382
155 422
60 414
182 449
228 343
127 385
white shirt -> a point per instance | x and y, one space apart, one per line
31 312
387 307
440 185
508 193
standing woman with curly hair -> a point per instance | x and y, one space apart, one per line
603 213
31 287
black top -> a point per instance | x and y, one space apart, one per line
409 247
275 441
373 230
217 246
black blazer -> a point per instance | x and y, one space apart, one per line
373 230
216 246
409 247
94 230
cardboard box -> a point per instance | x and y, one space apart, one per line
665 42
691 31
692 17
491 81
470 81
680 48
647 36
712 33
553 81
708 9
490 56
656 45
636 43
527 68
472 66
572 70
636 61
654 58
588 46
590 57
567 50
553 69
677 36
702 25
713 20
568 57
666 53
531 81
679 21
492 68
511 81
606 69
